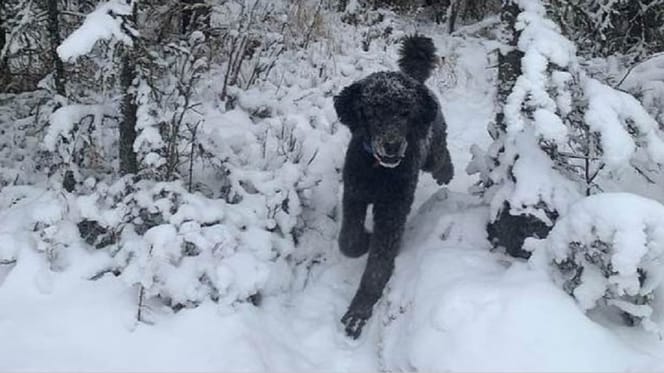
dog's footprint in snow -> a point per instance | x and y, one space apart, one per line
446 233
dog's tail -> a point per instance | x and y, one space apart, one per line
417 57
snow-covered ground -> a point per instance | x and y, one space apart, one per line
452 303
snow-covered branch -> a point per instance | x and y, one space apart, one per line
108 21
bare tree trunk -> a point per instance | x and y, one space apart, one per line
195 15
54 37
3 38
3 41
452 13
128 108
509 64
186 16
128 162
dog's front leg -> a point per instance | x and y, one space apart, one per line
389 221
353 237
438 160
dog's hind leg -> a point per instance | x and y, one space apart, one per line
353 238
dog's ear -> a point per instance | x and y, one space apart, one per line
427 107
347 105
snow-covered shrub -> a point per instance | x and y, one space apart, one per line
561 129
252 42
68 139
250 206
79 136
255 166
646 81
22 116
109 21
36 219
232 243
608 250
167 96
25 41
77 139
185 248
520 179
173 246
608 27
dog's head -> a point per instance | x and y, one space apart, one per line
388 109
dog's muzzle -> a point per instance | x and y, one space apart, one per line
390 154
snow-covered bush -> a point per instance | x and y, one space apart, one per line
646 81
235 196
171 245
519 178
237 239
25 40
561 129
109 21
77 140
21 117
167 98
254 37
608 250
185 248
608 27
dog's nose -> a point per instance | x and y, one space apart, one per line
392 147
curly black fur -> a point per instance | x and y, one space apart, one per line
418 57
397 130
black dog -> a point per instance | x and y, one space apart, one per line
397 129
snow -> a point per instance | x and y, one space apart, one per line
451 301
452 304
647 80
542 43
631 228
610 112
525 177
62 122
538 181
470 313
622 218
101 24
652 69
549 126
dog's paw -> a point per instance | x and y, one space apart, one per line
354 321
444 174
